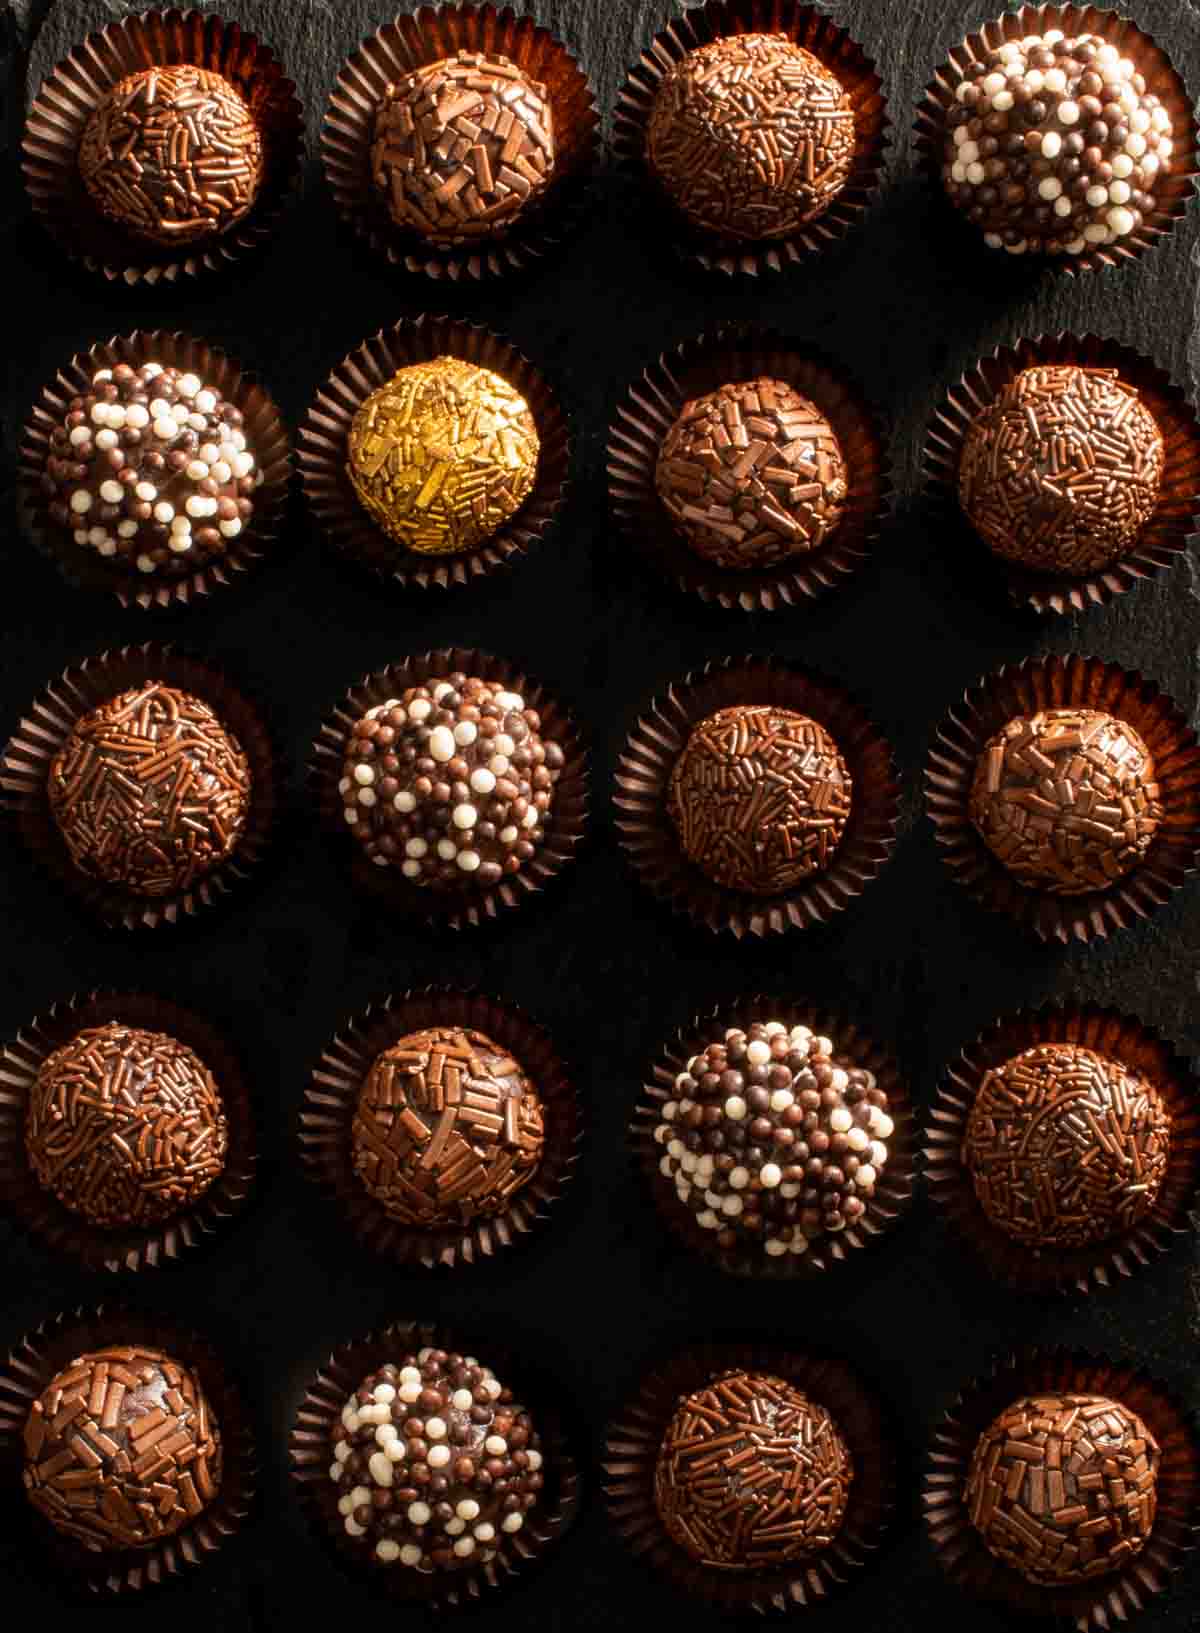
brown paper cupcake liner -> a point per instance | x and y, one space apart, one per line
30 1368
323 441
29 754
1172 193
814 32
651 407
631 1451
1169 531
60 111
1065 1269
432 33
330 1102
308 1452
1052 683
454 909
1105 1601
644 772
266 435
891 1197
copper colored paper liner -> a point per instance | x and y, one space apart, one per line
309 1456
323 444
455 909
433 33
892 1195
31 1366
56 120
1170 530
1171 193
330 1102
1052 683
644 773
40 1212
1108 1600
804 26
25 769
631 1451
1058 1269
651 407
266 436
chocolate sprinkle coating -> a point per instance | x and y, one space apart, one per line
1054 146
751 1474
125 1126
751 474
1066 799
122 1449
151 470
435 1462
174 155
462 147
448 1128
1061 472
759 797
751 136
451 782
1062 1487
150 791
442 455
774 1139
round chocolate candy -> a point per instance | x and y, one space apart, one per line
1066 799
125 1127
751 1474
751 136
174 155
448 1128
1062 471
773 1138
434 1462
151 470
150 791
452 782
122 1449
1053 145
1062 1487
759 797
751 474
462 147
443 455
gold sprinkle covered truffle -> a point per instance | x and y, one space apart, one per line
443 455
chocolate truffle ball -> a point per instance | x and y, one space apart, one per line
448 1128
774 1138
150 791
435 1463
443 455
751 137
751 474
1062 1487
1065 1147
124 1126
451 783
151 470
759 797
122 1449
173 155
1062 471
462 147
751 1474
1066 799
1054 146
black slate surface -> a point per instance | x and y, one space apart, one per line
908 304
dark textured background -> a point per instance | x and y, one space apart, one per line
908 303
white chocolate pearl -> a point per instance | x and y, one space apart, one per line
353 1528
1049 187
510 700
164 511
1122 165
993 83
1062 206
350 814
206 401
770 1175
1051 145
495 1445
385 1433
137 416
180 413
188 385
410 1554
410 1389
468 861
464 1547
865 1177
485 1532
535 1463
739 1178
1119 192
464 816
782 1099
1121 221
857 1139
731 1205
465 733
512 1523
840 1120
418 1513
230 529
1054 79
349 1418
455 1527
1135 144
958 172
441 743
80 434
468 1509
1068 113
242 464
165 429
969 152
387 1550
126 530
508 835
364 774
1096 196
504 744
975 174
441 690
438 1456
435 1429
482 780
180 524
447 849
160 409
758 1054
381 1468
81 501
775 1247
499 764
220 471
342 1450
462 1399
404 801
735 1108
1002 101
416 847
112 492
367 796
146 490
